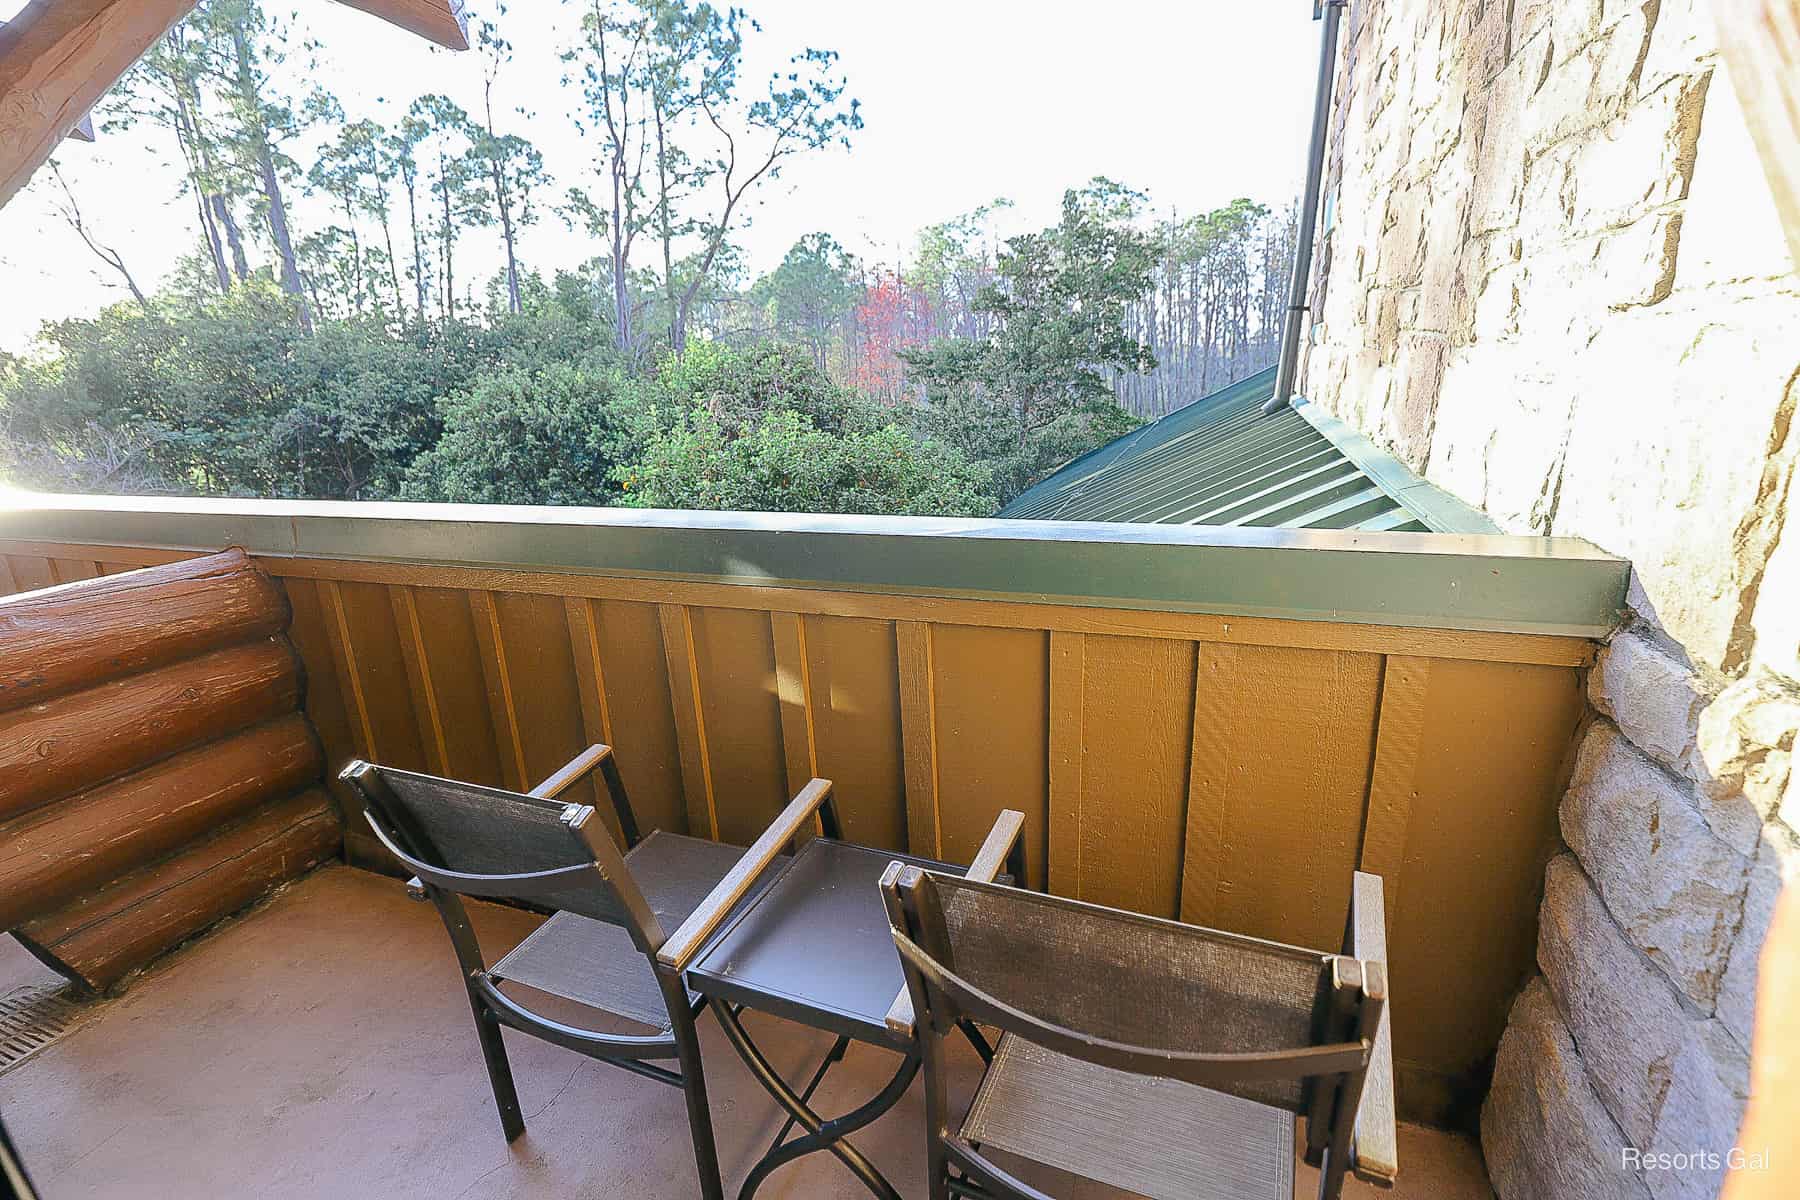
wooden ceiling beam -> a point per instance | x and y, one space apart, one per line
57 58
441 21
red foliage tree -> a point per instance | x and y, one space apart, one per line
890 318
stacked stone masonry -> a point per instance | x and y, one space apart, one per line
1551 280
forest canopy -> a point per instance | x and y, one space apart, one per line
325 339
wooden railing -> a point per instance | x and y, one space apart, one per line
1225 769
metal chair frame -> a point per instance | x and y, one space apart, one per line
1347 1017
596 864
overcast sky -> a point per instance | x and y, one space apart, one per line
1194 101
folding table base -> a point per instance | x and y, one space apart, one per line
820 1134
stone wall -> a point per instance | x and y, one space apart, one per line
1551 280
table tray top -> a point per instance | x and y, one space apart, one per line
815 946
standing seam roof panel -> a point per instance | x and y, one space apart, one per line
1223 461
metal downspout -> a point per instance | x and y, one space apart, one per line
1332 11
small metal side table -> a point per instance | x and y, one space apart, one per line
815 948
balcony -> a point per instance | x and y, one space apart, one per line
1216 725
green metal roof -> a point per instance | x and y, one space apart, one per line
1223 461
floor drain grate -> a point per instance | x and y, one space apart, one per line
32 1017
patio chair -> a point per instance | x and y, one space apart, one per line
613 912
1143 1054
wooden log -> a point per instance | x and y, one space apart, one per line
1760 42
99 939
74 742
75 635
51 855
57 57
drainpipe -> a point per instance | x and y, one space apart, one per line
1332 11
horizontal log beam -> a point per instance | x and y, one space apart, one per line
100 939
440 21
79 634
57 58
77 741
52 854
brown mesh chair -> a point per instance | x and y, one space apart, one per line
1144 1054
613 912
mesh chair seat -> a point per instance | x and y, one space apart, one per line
593 962
1160 1138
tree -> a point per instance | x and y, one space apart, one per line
785 463
459 186
688 47
953 262
524 437
611 60
168 88
1214 309
339 171
71 214
890 319
810 294
402 149
260 119
515 168
661 81
1060 302
804 110
363 153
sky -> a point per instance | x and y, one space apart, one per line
1195 102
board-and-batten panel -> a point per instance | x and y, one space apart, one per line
1225 772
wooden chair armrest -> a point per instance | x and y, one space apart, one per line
995 850
678 951
1374 1146
571 772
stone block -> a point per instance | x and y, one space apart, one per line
1621 1011
1502 453
1743 756
1409 416
1654 700
1640 160
1529 19
1675 889
1731 232
1693 502
1684 41
1498 184
1544 1131
1638 261
1776 617
1588 85
1777 861
1699 1122
1575 23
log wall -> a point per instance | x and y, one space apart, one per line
156 773
1225 770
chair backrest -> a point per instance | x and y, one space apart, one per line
481 841
1269 1022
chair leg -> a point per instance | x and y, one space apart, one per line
493 1052
937 1110
939 1165
693 1088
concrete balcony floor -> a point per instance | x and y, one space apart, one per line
320 1046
